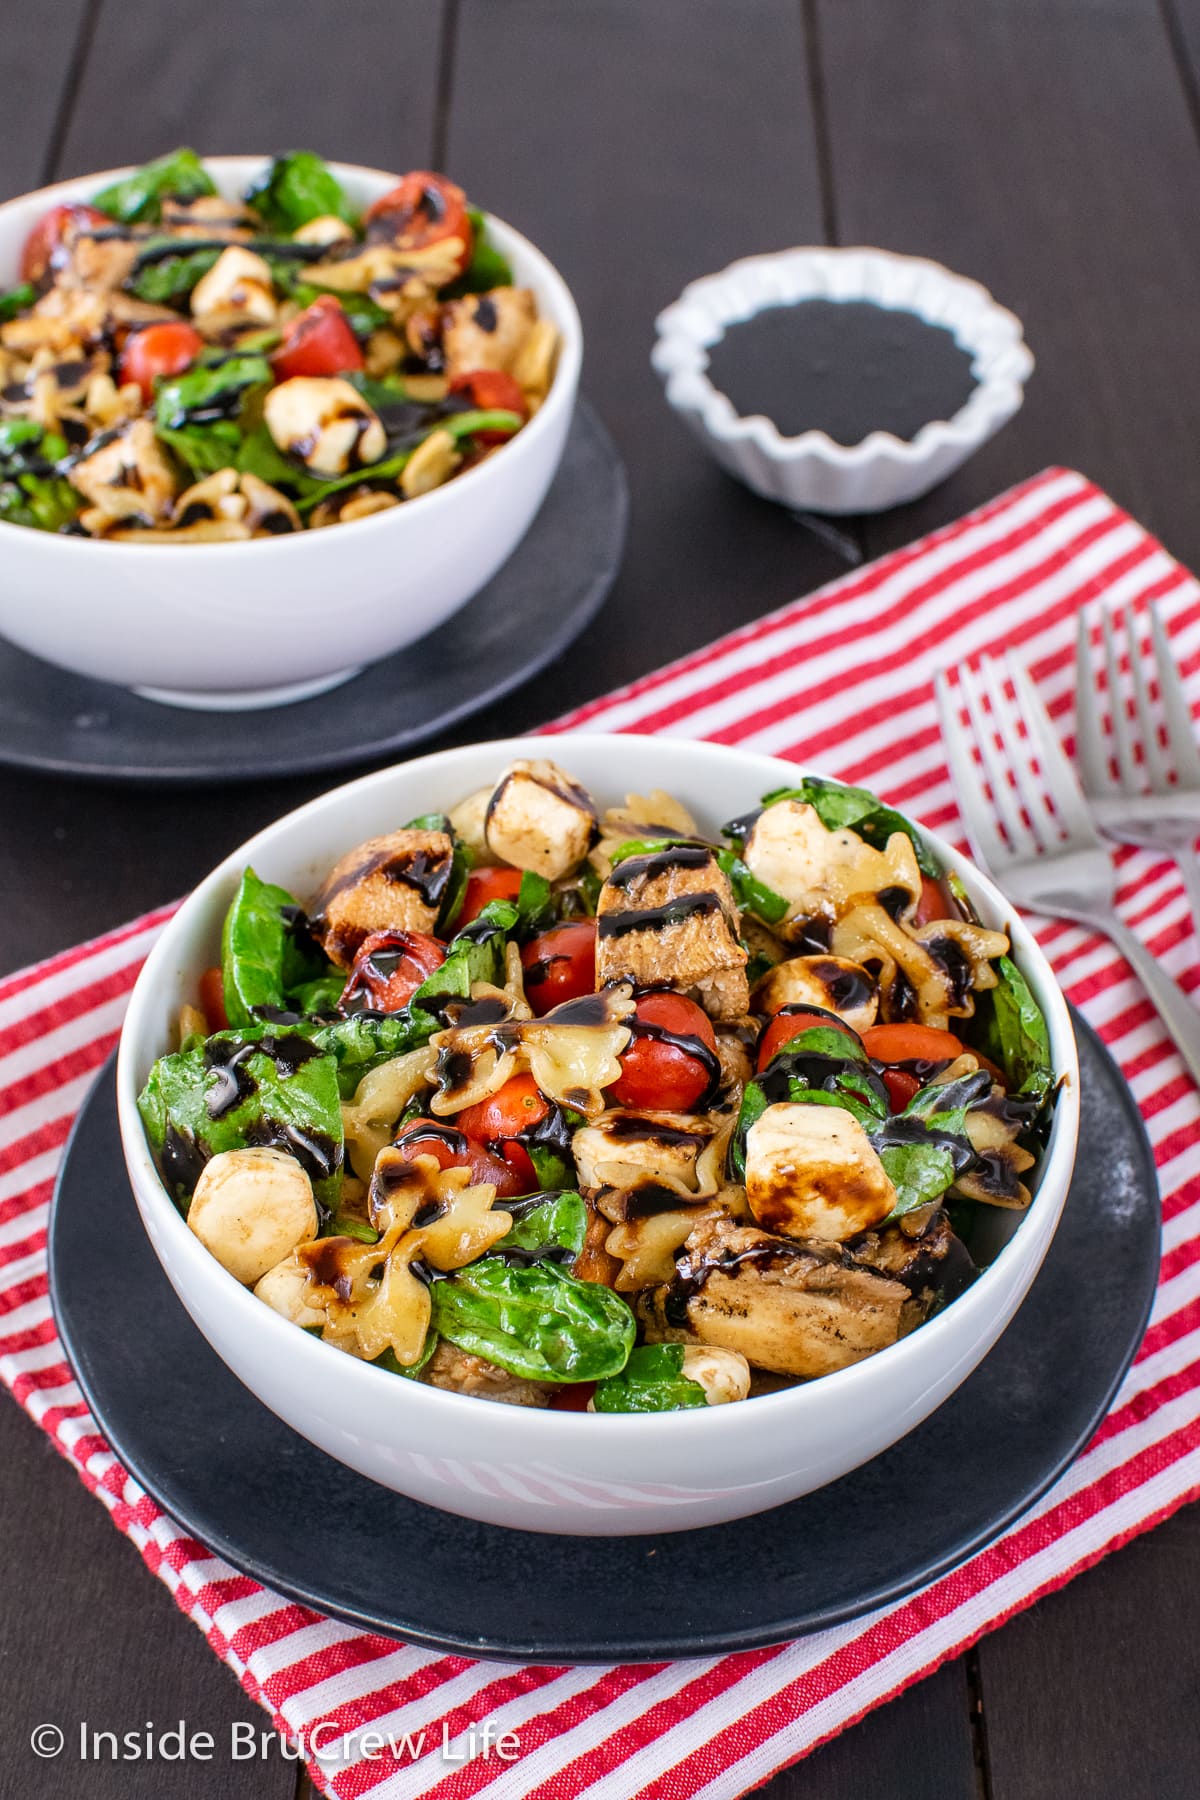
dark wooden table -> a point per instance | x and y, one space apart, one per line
1048 147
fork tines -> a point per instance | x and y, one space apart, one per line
1147 757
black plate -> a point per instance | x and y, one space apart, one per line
269 1503
553 584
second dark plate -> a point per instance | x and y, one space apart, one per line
550 588
271 1504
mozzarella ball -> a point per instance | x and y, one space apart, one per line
250 1208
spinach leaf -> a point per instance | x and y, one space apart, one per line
252 947
821 1067
534 1320
258 454
319 996
27 448
46 502
751 894
277 1100
488 268
559 1223
388 470
391 1362
296 188
552 1168
651 1381
137 198
1014 1032
169 280
925 1148
476 954
838 806
15 299
465 424
198 414
361 1043
535 905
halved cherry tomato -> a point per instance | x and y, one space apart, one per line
572 1396
318 341
452 1149
658 1072
491 390
159 350
484 886
560 965
901 1088
905 1043
389 968
508 1113
421 209
788 1024
49 233
212 1000
934 902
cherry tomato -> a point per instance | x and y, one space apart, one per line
452 1149
934 902
421 209
910 1043
318 342
657 1073
508 1113
901 1087
389 968
158 350
560 965
789 1024
491 390
484 886
212 1000
49 233
572 1396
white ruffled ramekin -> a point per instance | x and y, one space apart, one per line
812 472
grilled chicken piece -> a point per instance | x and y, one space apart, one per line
812 1172
670 917
129 476
539 818
830 982
930 1262
820 872
392 883
463 1373
799 1310
324 421
487 331
238 284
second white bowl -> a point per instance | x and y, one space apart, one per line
234 625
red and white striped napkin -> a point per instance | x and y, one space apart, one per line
841 680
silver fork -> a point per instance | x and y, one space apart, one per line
1140 804
1036 838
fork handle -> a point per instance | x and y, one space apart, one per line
1174 1008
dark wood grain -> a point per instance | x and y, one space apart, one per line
1045 148
358 82
1094 1691
89 1637
918 1748
41 58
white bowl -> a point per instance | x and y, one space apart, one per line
811 471
603 1474
236 625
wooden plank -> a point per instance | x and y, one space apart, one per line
358 83
1047 150
1093 1691
41 49
918 1748
650 145
88 1635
